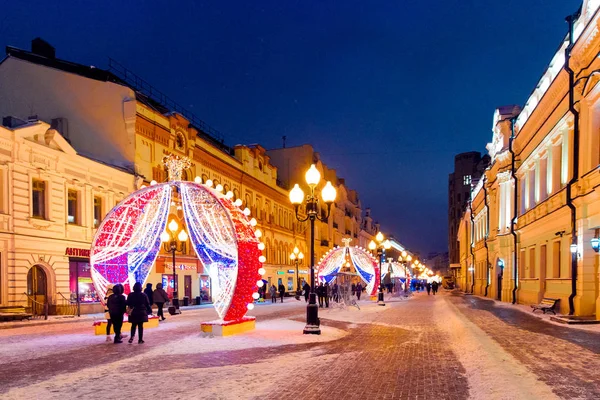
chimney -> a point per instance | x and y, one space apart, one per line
42 48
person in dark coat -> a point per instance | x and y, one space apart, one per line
358 290
335 292
140 308
327 292
306 289
150 294
320 294
160 297
117 305
109 292
353 288
434 287
281 291
428 287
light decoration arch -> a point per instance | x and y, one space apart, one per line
367 266
127 242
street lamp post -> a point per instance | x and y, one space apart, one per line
405 259
297 256
381 245
312 176
173 245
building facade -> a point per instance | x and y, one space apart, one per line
105 116
534 219
51 203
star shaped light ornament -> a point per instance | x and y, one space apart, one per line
222 235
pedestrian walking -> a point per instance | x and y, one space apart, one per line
358 290
150 294
160 297
335 292
306 289
327 290
428 287
434 287
281 291
117 305
273 293
139 307
321 294
109 291
353 288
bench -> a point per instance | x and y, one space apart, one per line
547 305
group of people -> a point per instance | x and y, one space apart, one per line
432 287
137 305
273 292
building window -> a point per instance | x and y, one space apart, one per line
556 259
72 207
532 262
467 180
97 211
80 275
38 197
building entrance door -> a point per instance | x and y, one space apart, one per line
37 289
187 286
500 266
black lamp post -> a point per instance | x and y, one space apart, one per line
297 256
381 245
172 245
405 259
313 176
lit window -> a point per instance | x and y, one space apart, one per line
72 207
38 197
467 180
97 211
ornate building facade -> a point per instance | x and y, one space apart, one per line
534 218
107 116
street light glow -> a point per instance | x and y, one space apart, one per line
312 176
379 237
328 193
296 195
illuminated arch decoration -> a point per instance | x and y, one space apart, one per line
397 270
365 264
223 237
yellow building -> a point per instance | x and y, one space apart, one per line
106 115
534 216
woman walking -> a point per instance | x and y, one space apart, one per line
109 292
140 307
117 306
149 293
160 297
273 293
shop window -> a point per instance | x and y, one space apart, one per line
80 276
38 197
97 211
290 284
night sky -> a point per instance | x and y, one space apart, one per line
387 92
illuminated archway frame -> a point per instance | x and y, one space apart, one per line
397 270
127 243
365 264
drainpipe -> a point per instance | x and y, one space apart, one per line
487 234
571 21
513 222
472 241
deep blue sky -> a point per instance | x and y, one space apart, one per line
387 92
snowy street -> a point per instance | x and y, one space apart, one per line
448 346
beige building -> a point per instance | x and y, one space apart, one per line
533 217
107 116
51 202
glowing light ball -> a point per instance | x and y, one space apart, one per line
127 242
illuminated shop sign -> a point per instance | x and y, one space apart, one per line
75 252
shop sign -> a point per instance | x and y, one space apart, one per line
280 272
182 267
291 271
75 252
303 271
